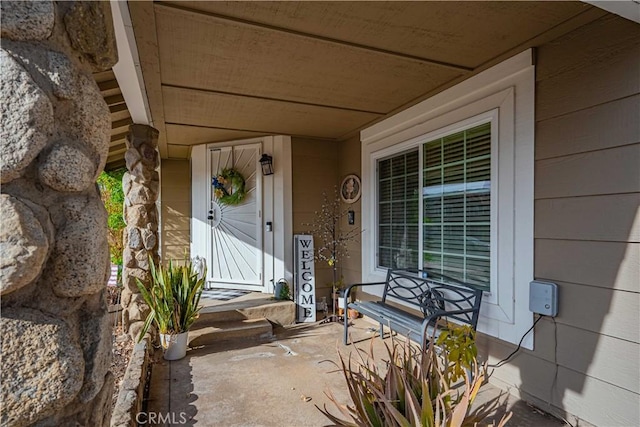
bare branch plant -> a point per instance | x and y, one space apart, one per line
332 243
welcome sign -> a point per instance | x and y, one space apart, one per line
305 278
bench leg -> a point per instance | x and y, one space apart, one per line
381 331
469 375
346 328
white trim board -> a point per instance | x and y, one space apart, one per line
629 9
128 71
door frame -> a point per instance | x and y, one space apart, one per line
277 245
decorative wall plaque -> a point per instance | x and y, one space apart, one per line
350 189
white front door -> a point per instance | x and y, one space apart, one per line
238 249
235 240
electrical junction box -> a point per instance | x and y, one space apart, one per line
543 298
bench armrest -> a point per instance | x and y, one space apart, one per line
346 304
442 314
348 290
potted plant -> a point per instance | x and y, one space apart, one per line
338 297
174 298
281 290
338 294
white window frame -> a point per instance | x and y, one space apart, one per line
504 95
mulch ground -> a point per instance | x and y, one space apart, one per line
122 349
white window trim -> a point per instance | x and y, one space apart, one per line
505 93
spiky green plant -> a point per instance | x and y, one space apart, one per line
173 298
414 389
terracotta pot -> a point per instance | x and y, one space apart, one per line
352 313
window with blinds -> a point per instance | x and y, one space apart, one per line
456 207
398 211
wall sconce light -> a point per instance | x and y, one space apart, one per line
266 161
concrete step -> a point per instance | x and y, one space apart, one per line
209 317
246 329
279 312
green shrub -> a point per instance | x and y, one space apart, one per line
110 184
415 389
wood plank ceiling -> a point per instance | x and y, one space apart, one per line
120 117
218 71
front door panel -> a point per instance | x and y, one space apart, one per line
236 230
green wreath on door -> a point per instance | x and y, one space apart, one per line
229 187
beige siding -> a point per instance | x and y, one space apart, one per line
609 218
615 170
589 129
349 154
618 263
542 382
591 66
587 228
600 310
176 208
314 172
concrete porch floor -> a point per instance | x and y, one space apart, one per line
276 383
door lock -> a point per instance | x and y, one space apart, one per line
214 215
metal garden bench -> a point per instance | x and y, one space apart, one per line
433 295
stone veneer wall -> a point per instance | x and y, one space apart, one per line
54 258
140 185
131 392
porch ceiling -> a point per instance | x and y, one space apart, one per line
218 71
120 117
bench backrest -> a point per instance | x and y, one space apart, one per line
433 293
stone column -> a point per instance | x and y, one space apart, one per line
54 259
140 185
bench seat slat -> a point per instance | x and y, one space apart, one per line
383 312
398 320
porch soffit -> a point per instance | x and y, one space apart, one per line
120 117
217 71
